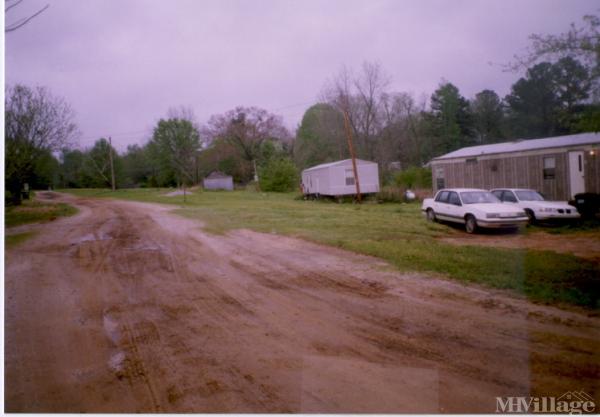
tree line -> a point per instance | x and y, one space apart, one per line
558 94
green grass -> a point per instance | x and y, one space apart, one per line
395 232
32 211
10 241
578 227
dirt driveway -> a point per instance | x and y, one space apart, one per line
128 308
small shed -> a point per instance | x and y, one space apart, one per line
559 167
218 181
337 178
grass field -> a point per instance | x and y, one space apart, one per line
394 232
10 241
32 211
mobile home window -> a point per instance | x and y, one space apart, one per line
349 177
439 178
549 168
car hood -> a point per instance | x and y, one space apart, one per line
494 208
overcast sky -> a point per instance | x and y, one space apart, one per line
122 64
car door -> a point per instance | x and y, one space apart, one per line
509 197
498 194
455 209
441 205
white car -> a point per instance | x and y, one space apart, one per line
474 208
534 204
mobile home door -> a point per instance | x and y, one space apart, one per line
576 173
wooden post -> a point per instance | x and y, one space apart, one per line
352 155
112 168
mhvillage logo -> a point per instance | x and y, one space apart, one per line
573 402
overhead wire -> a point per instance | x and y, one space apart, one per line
135 135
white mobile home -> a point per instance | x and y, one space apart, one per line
559 167
337 178
218 181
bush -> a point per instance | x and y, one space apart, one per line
414 177
391 194
279 175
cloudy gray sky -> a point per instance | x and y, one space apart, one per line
123 63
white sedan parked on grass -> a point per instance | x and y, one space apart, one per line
474 208
534 204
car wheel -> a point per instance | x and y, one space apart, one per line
470 224
431 215
530 216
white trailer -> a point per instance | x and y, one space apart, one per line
337 178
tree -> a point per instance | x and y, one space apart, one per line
450 121
35 123
533 102
403 135
45 172
279 175
488 117
359 97
220 155
137 166
246 129
582 45
72 171
97 165
320 136
572 84
549 100
579 43
175 143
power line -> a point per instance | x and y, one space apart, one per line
292 105
136 133
117 134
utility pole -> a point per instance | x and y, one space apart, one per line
352 154
112 167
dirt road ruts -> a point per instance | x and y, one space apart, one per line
126 307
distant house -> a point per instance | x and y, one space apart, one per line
559 167
218 181
337 178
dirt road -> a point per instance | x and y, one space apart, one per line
127 307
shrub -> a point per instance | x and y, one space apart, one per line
279 175
414 177
391 194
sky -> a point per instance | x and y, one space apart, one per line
121 64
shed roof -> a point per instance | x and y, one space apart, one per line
338 163
217 175
524 145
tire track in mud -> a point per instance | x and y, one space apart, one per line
122 258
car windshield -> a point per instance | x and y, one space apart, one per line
529 195
478 197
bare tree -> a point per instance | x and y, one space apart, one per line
11 27
359 97
246 129
35 123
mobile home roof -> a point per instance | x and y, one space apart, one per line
524 145
336 163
